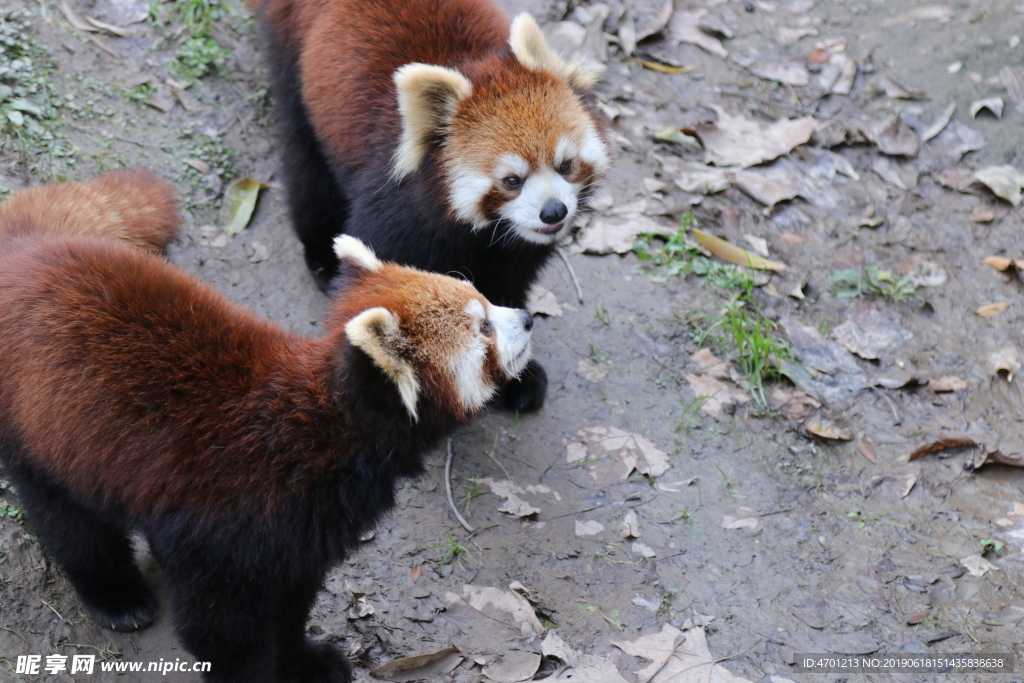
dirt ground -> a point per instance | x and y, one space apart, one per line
775 540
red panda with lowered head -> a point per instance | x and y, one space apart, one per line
437 133
134 396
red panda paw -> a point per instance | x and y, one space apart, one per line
123 617
525 393
317 663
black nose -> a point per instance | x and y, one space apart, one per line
527 319
553 212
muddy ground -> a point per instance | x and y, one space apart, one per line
830 552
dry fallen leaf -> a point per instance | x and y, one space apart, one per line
630 527
510 491
1004 181
992 309
239 203
1005 361
901 92
1013 81
827 428
790 73
893 136
677 657
866 451
664 68
732 522
83 22
614 454
512 666
542 301
943 444
872 331
716 394
939 13
419 667
617 235
978 565
738 141
588 528
793 238
684 27
940 123
770 183
733 254
1002 263
580 668
947 383
417 572
983 215
504 605
993 104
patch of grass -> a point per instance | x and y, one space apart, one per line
759 351
199 52
730 483
470 492
680 259
602 315
689 415
454 551
990 546
873 281
862 519
11 511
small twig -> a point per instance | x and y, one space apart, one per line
56 612
448 490
572 273
896 419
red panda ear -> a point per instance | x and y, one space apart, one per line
532 50
348 247
375 331
427 97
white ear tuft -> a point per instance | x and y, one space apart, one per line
376 332
346 246
532 50
427 98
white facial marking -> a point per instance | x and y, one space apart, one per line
524 211
511 164
513 339
566 150
594 151
468 189
468 366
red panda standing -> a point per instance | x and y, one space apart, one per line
132 395
435 133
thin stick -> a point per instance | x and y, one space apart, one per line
572 273
448 490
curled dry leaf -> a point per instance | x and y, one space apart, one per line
991 310
1004 181
1005 362
943 444
993 104
664 68
630 527
733 254
84 22
504 605
940 123
579 667
827 428
955 141
419 667
199 165
677 657
738 141
239 204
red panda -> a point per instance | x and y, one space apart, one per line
436 133
134 396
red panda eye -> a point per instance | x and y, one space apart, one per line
486 328
513 182
565 168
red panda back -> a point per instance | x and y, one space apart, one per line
134 206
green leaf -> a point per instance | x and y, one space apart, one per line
239 203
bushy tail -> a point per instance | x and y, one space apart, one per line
134 206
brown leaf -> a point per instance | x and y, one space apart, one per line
664 68
983 215
419 667
943 444
1005 361
993 309
716 393
793 238
827 428
893 136
417 572
866 451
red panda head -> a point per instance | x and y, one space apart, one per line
437 338
517 142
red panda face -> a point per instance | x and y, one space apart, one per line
518 145
434 336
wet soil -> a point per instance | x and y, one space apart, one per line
840 558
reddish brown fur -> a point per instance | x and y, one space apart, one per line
134 206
